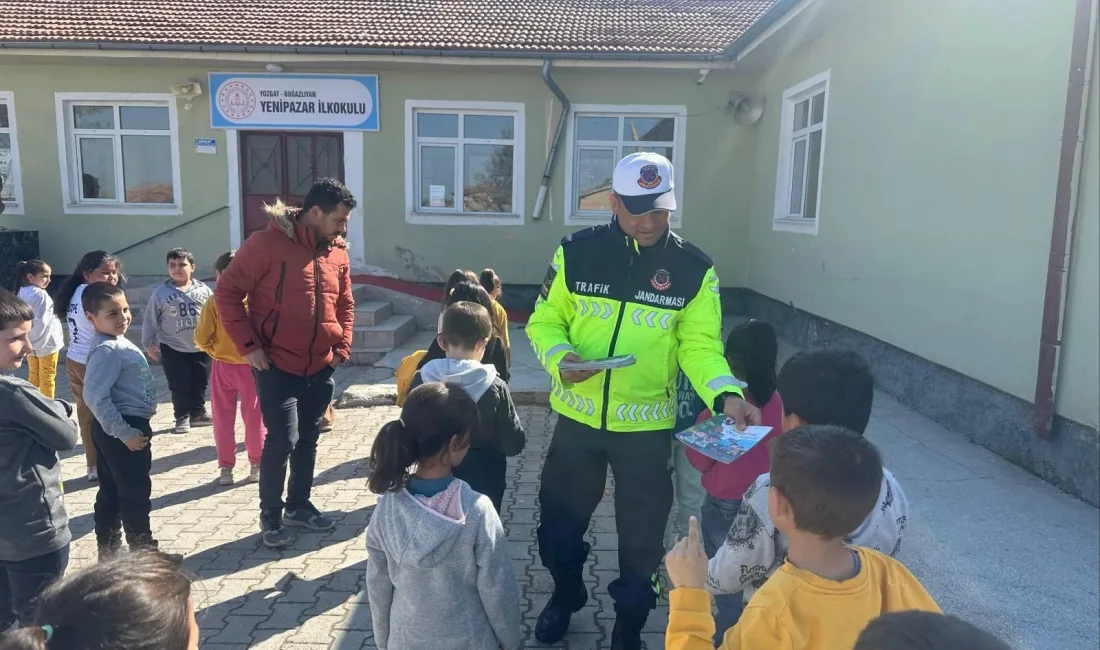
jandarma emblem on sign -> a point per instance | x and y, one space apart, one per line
661 280
648 178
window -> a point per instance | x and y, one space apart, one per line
11 191
464 162
600 136
121 153
801 152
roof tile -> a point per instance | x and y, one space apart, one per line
509 26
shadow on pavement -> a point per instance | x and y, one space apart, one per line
293 601
160 465
349 469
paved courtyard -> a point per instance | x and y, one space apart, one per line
992 543
310 595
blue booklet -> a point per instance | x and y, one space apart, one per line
718 438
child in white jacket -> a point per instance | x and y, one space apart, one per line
818 387
438 571
47 337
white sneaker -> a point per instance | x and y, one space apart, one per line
254 474
227 476
93 475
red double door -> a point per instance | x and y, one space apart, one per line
283 165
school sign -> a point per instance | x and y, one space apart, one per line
294 102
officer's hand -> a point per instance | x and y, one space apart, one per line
576 376
687 561
741 412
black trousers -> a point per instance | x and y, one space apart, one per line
188 375
292 406
573 480
122 502
484 470
23 582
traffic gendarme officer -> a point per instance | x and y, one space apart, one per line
627 287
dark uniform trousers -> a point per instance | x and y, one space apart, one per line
573 481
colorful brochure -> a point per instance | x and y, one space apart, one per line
718 438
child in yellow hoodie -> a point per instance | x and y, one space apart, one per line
824 482
230 378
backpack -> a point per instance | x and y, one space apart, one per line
405 371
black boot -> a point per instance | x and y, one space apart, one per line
627 634
109 548
568 598
146 543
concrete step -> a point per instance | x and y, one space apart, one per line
372 313
387 335
366 356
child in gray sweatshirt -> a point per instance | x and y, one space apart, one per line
119 391
34 544
168 336
438 570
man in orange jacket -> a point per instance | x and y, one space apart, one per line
297 329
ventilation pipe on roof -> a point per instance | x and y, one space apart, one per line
1064 228
559 133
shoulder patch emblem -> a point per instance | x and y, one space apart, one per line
548 281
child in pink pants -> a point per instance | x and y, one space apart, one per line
230 378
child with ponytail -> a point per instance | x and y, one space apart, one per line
436 549
490 281
139 601
95 266
46 336
751 349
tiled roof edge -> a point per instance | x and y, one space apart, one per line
216 48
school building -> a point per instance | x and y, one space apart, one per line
916 180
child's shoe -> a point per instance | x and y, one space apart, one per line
183 425
253 475
93 475
272 532
109 549
201 419
308 517
226 477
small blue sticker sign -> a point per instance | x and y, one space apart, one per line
206 145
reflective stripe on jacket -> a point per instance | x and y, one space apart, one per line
605 296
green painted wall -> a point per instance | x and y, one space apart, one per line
938 188
64 238
1079 377
717 176
718 169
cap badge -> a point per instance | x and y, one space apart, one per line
648 178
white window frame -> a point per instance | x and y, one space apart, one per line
782 221
679 115
414 213
67 154
15 206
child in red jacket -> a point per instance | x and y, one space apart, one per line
751 349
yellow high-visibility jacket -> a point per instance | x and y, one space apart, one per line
605 296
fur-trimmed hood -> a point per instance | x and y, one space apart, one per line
284 219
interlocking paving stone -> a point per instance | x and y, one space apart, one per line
310 595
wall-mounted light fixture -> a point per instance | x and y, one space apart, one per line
187 92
